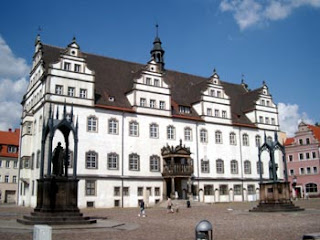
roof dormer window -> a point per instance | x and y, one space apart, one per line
67 66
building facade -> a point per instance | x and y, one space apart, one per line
145 132
303 161
9 147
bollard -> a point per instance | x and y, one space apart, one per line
203 230
42 232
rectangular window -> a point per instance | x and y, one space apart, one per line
66 66
7 164
92 123
301 156
203 135
187 134
113 126
267 120
273 121
261 119
224 114
218 94
133 129
112 161
77 68
290 158
71 91
223 189
148 81
149 191
251 190
307 155
59 89
209 111
157 191
116 191
6 178
125 191
162 105
308 170
291 172
134 162
237 189
315 170
156 82
314 155
0 163
15 164
154 163
301 171
90 187
208 190
142 102
300 141
140 191
307 141
212 94
91 160
216 113
154 131
13 149
83 93
153 103
14 179
205 166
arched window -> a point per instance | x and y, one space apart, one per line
247 167
203 136
154 163
113 125
113 161
171 132
245 139
154 130
259 168
187 134
134 162
218 136
219 166
134 129
233 140
205 167
91 160
234 167
258 141
311 188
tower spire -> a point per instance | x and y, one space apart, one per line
157 52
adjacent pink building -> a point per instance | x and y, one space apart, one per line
303 161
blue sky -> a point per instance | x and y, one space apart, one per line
276 41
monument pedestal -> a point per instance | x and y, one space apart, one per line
57 199
275 197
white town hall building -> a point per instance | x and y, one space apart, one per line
145 132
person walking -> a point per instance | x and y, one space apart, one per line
142 211
169 206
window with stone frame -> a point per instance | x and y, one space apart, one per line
171 132
59 89
142 102
251 190
203 136
125 191
245 139
209 111
6 178
71 91
260 167
140 191
156 82
113 161
216 113
314 155
237 189
67 66
258 141
116 191
113 126
205 166
8 164
223 189
91 160
157 191
83 93
218 137
152 103
134 162
232 139
15 164
77 67
154 163
14 179
208 190
90 187
134 129
247 167
219 166
234 166
187 134
224 114
154 130
149 191
92 124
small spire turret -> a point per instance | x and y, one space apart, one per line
157 52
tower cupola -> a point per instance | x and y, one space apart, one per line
157 52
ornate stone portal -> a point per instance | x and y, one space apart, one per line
57 195
274 194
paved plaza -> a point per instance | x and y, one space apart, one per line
229 220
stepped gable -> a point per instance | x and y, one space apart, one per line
114 78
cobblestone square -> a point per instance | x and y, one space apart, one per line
230 221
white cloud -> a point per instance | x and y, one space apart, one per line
13 84
290 117
248 13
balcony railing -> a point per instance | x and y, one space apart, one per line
177 169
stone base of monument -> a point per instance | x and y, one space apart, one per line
57 199
275 197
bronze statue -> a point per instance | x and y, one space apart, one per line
57 160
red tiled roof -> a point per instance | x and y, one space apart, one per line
9 138
289 141
315 130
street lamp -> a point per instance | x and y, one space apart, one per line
203 230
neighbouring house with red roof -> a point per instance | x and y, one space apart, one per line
9 146
303 160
